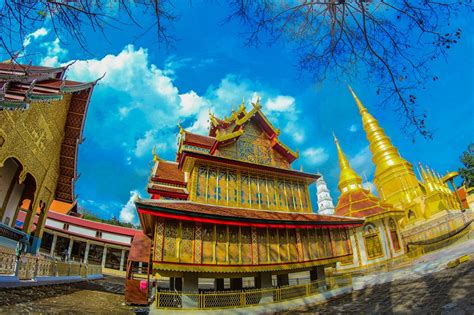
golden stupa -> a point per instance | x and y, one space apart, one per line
395 179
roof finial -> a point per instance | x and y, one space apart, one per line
155 156
358 102
257 103
242 106
181 130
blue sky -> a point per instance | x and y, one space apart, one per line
148 88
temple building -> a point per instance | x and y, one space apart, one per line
39 139
431 209
231 206
325 203
67 235
379 239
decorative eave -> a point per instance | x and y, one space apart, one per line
27 73
284 150
13 104
206 213
76 88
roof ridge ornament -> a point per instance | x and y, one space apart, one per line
181 129
156 158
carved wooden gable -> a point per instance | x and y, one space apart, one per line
254 146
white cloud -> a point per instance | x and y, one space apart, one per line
128 212
295 131
353 128
315 156
144 145
54 53
38 33
281 103
191 103
362 162
150 104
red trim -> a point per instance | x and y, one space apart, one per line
160 193
103 227
237 223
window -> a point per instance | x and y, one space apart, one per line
66 226
373 245
98 234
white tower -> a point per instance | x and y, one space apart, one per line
325 204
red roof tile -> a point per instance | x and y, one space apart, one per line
232 213
168 171
200 140
361 203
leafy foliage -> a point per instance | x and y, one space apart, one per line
114 221
387 43
467 172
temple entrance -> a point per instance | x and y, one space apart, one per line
12 193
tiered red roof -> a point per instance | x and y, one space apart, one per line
226 131
362 204
22 84
206 213
167 181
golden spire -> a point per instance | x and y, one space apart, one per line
394 177
348 179
384 154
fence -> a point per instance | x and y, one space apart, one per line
233 299
28 267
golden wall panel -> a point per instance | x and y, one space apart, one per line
263 255
170 242
221 244
305 244
187 242
235 187
246 245
292 245
234 248
273 245
283 243
208 244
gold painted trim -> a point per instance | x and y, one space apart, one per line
161 266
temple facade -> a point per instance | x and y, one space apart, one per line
432 210
379 239
231 206
39 139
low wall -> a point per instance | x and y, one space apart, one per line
27 270
442 225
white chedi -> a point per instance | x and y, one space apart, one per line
325 203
